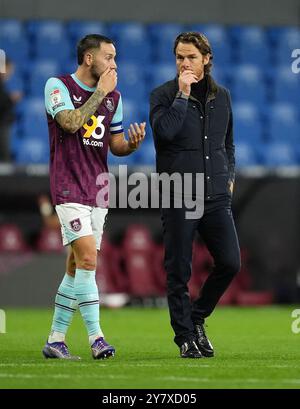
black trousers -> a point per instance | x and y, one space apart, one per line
218 231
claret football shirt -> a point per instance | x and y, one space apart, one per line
77 159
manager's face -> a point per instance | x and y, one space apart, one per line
188 57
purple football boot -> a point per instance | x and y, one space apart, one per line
101 349
58 350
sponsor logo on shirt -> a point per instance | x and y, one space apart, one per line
95 131
77 100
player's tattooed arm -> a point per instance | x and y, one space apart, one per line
72 119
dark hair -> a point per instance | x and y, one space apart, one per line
88 42
199 41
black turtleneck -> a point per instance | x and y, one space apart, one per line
199 90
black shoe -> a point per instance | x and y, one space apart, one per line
190 350
203 343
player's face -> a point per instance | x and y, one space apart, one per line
188 57
102 59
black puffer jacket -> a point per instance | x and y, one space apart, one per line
190 139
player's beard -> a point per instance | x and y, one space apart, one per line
94 73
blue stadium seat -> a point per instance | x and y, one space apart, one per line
15 83
286 85
113 160
251 45
16 50
50 40
36 27
245 154
297 152
248 85
132 41
161 73
13 40
78 29
278 154
34 119
19 107
15 139
144 112
218 38
146 153
221 74
32 146
199 27
32 150
39 73
273 33
163 36
284 124
131 112
288 40
69 66
247 123
11 28
131 81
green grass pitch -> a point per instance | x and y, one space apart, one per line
255 348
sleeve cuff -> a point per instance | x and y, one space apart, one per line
182 95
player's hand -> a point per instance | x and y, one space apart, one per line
136 134
108 81
185 80
231 185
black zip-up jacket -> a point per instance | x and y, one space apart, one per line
190 139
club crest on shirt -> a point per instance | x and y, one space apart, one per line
75 224
109 103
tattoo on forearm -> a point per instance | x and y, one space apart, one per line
72 120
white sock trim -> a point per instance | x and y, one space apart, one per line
56 337
92 338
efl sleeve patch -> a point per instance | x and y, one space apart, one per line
57 97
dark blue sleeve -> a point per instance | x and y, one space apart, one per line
166 119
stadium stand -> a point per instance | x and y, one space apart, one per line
254 62
11 239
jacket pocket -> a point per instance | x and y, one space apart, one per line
220 184
219 161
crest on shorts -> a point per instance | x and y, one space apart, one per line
75 224
109 103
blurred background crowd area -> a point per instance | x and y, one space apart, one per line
254 62
130 270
